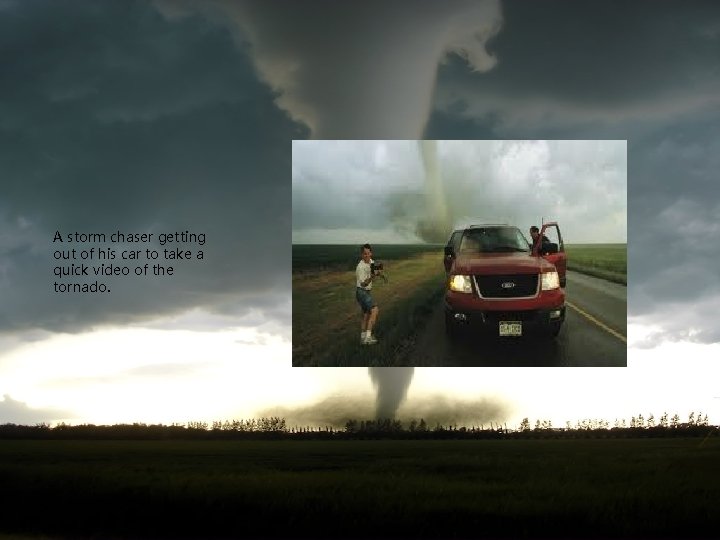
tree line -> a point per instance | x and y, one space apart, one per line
277 428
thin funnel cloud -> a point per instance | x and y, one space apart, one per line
434 228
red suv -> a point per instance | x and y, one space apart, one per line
499 282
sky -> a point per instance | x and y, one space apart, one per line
169 116
582 185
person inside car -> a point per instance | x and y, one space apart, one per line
545 243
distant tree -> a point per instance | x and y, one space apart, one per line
525 424
537 425
351 426
691 418
651 421
664 420
422 426
413 426
675 421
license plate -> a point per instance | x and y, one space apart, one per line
510 328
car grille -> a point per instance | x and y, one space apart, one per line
492 286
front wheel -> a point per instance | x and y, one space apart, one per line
553 331
451 329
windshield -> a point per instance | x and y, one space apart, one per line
493 240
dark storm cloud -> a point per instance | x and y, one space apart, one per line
114 117
563 63
17 412
355 69
647 72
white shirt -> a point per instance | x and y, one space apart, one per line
362 273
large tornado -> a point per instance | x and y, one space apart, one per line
391 384
436 224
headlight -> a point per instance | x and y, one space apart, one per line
460 284
550 281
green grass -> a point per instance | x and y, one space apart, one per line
511 488
313 257
326 316
607 261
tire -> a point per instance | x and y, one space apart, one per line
553 331
451 329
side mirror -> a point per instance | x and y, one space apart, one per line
449 251
549 248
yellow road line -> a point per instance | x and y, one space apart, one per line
601 325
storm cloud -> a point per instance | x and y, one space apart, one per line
356 69
170 116
336 410
351 191
122 120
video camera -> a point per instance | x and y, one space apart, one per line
375 268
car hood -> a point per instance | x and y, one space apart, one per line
501 263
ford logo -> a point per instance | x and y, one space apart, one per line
508 285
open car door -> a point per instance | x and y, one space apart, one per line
451 250
554 250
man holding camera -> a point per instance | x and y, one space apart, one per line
365 273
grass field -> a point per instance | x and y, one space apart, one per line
326 316
508 488
607 261
313 257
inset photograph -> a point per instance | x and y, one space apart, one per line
459 253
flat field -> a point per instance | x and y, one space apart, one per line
313 257
607 261
326 316
364 489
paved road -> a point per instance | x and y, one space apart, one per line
593 334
